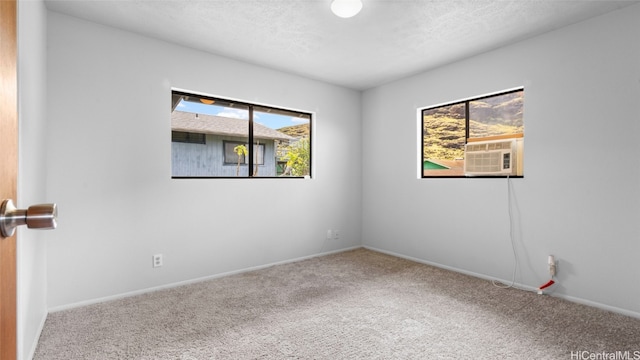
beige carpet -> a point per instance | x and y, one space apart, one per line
358 304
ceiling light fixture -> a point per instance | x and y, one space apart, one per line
346 8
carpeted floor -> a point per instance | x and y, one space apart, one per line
358 304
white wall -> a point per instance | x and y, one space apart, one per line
31 250
579 199
110 173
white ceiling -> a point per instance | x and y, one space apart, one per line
388 40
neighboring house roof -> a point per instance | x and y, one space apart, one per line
218 125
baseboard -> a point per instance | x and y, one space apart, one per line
192 281
516 285
598 305
34 346
454 269
418 260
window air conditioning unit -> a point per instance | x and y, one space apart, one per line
494 157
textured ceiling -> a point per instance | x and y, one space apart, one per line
388 40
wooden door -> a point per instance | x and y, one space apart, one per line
8 172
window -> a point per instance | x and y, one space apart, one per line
231 155
210 137
476 137
186 137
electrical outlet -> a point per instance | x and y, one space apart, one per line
336 234
329 234
157 260
552 265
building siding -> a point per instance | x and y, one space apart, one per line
207 160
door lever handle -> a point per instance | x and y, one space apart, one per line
41 216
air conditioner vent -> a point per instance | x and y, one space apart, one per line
497 157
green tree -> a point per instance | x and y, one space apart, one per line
241 150
299 155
